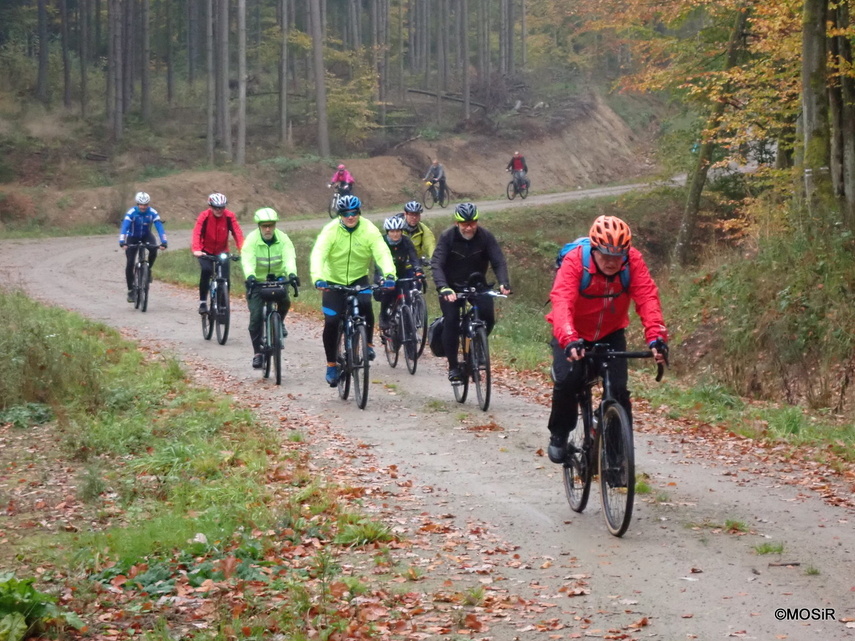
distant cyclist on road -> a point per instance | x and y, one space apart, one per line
598 314
462 251
436 174
211 237
342 181
136 230
266 254
407 265
423 239
342 255
518 166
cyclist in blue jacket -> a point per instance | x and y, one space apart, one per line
136 229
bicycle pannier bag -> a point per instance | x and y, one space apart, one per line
435 337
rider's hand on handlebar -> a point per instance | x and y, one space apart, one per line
249 283
575 350
660 350
389 283
198 253
505 289
321 284
448 294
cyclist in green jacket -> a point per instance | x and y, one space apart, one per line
421 235
342 255
267 254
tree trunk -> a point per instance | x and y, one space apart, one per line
42 78
847 87
699 176
224 111
83 52
320 79
510 38
116 36
283 72
464 20
523 36
145 71
240 153
211 75
66 59
170 56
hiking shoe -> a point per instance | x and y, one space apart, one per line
557 449
130 296
455 375
371 354
203 308
332 375
257 361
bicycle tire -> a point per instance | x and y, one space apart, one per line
420 315
409 339
274 331
361 366
207 317
578 471
428 198
145 272
267 362
461 389
617 468
344 364
443 198
479 356
523 190
511 191
136 286
333 206
222 312
391 344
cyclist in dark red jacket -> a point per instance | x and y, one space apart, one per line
211 236
518 166
598 314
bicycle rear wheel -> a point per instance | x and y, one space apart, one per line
359 352
428 198
223 313
274 333
344 364
443 198
208 317
145 275
420 315
617 468
392 343
479 355
409 339
511 191
577 469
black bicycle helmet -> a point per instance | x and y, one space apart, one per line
465 212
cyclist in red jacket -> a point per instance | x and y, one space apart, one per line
211 237
518 166
598 314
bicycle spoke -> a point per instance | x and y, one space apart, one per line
617 468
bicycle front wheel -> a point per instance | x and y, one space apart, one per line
428 198
461 388
577 469
137 285
420 316
617 468
479 358
145 277
392 343
274 333
360 368
343 361
523 190
223 313
409 339
333 207
511 191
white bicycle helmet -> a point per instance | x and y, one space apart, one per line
142 198
393 223
217 200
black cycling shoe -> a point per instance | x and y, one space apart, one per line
257 361
203 308
557 450
455 375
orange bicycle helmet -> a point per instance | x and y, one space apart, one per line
611 236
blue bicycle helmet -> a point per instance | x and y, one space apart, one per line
347 204
413 207
465 212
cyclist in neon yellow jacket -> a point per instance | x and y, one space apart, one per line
266 254
343 255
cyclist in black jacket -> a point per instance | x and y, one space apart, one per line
461 251
407 265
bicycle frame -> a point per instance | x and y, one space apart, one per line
355 365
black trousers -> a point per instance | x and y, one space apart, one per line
451 323
131 256
333 305
207 265
569 380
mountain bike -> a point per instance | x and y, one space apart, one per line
432 195
352 351
420 311
403 330
273 330
219 312
339 192
518 185
142 274
474 349
603 444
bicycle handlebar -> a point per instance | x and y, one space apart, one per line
603 352
352 289
222 256
271 284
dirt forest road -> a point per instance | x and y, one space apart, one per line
676 574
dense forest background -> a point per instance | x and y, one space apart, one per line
768 86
